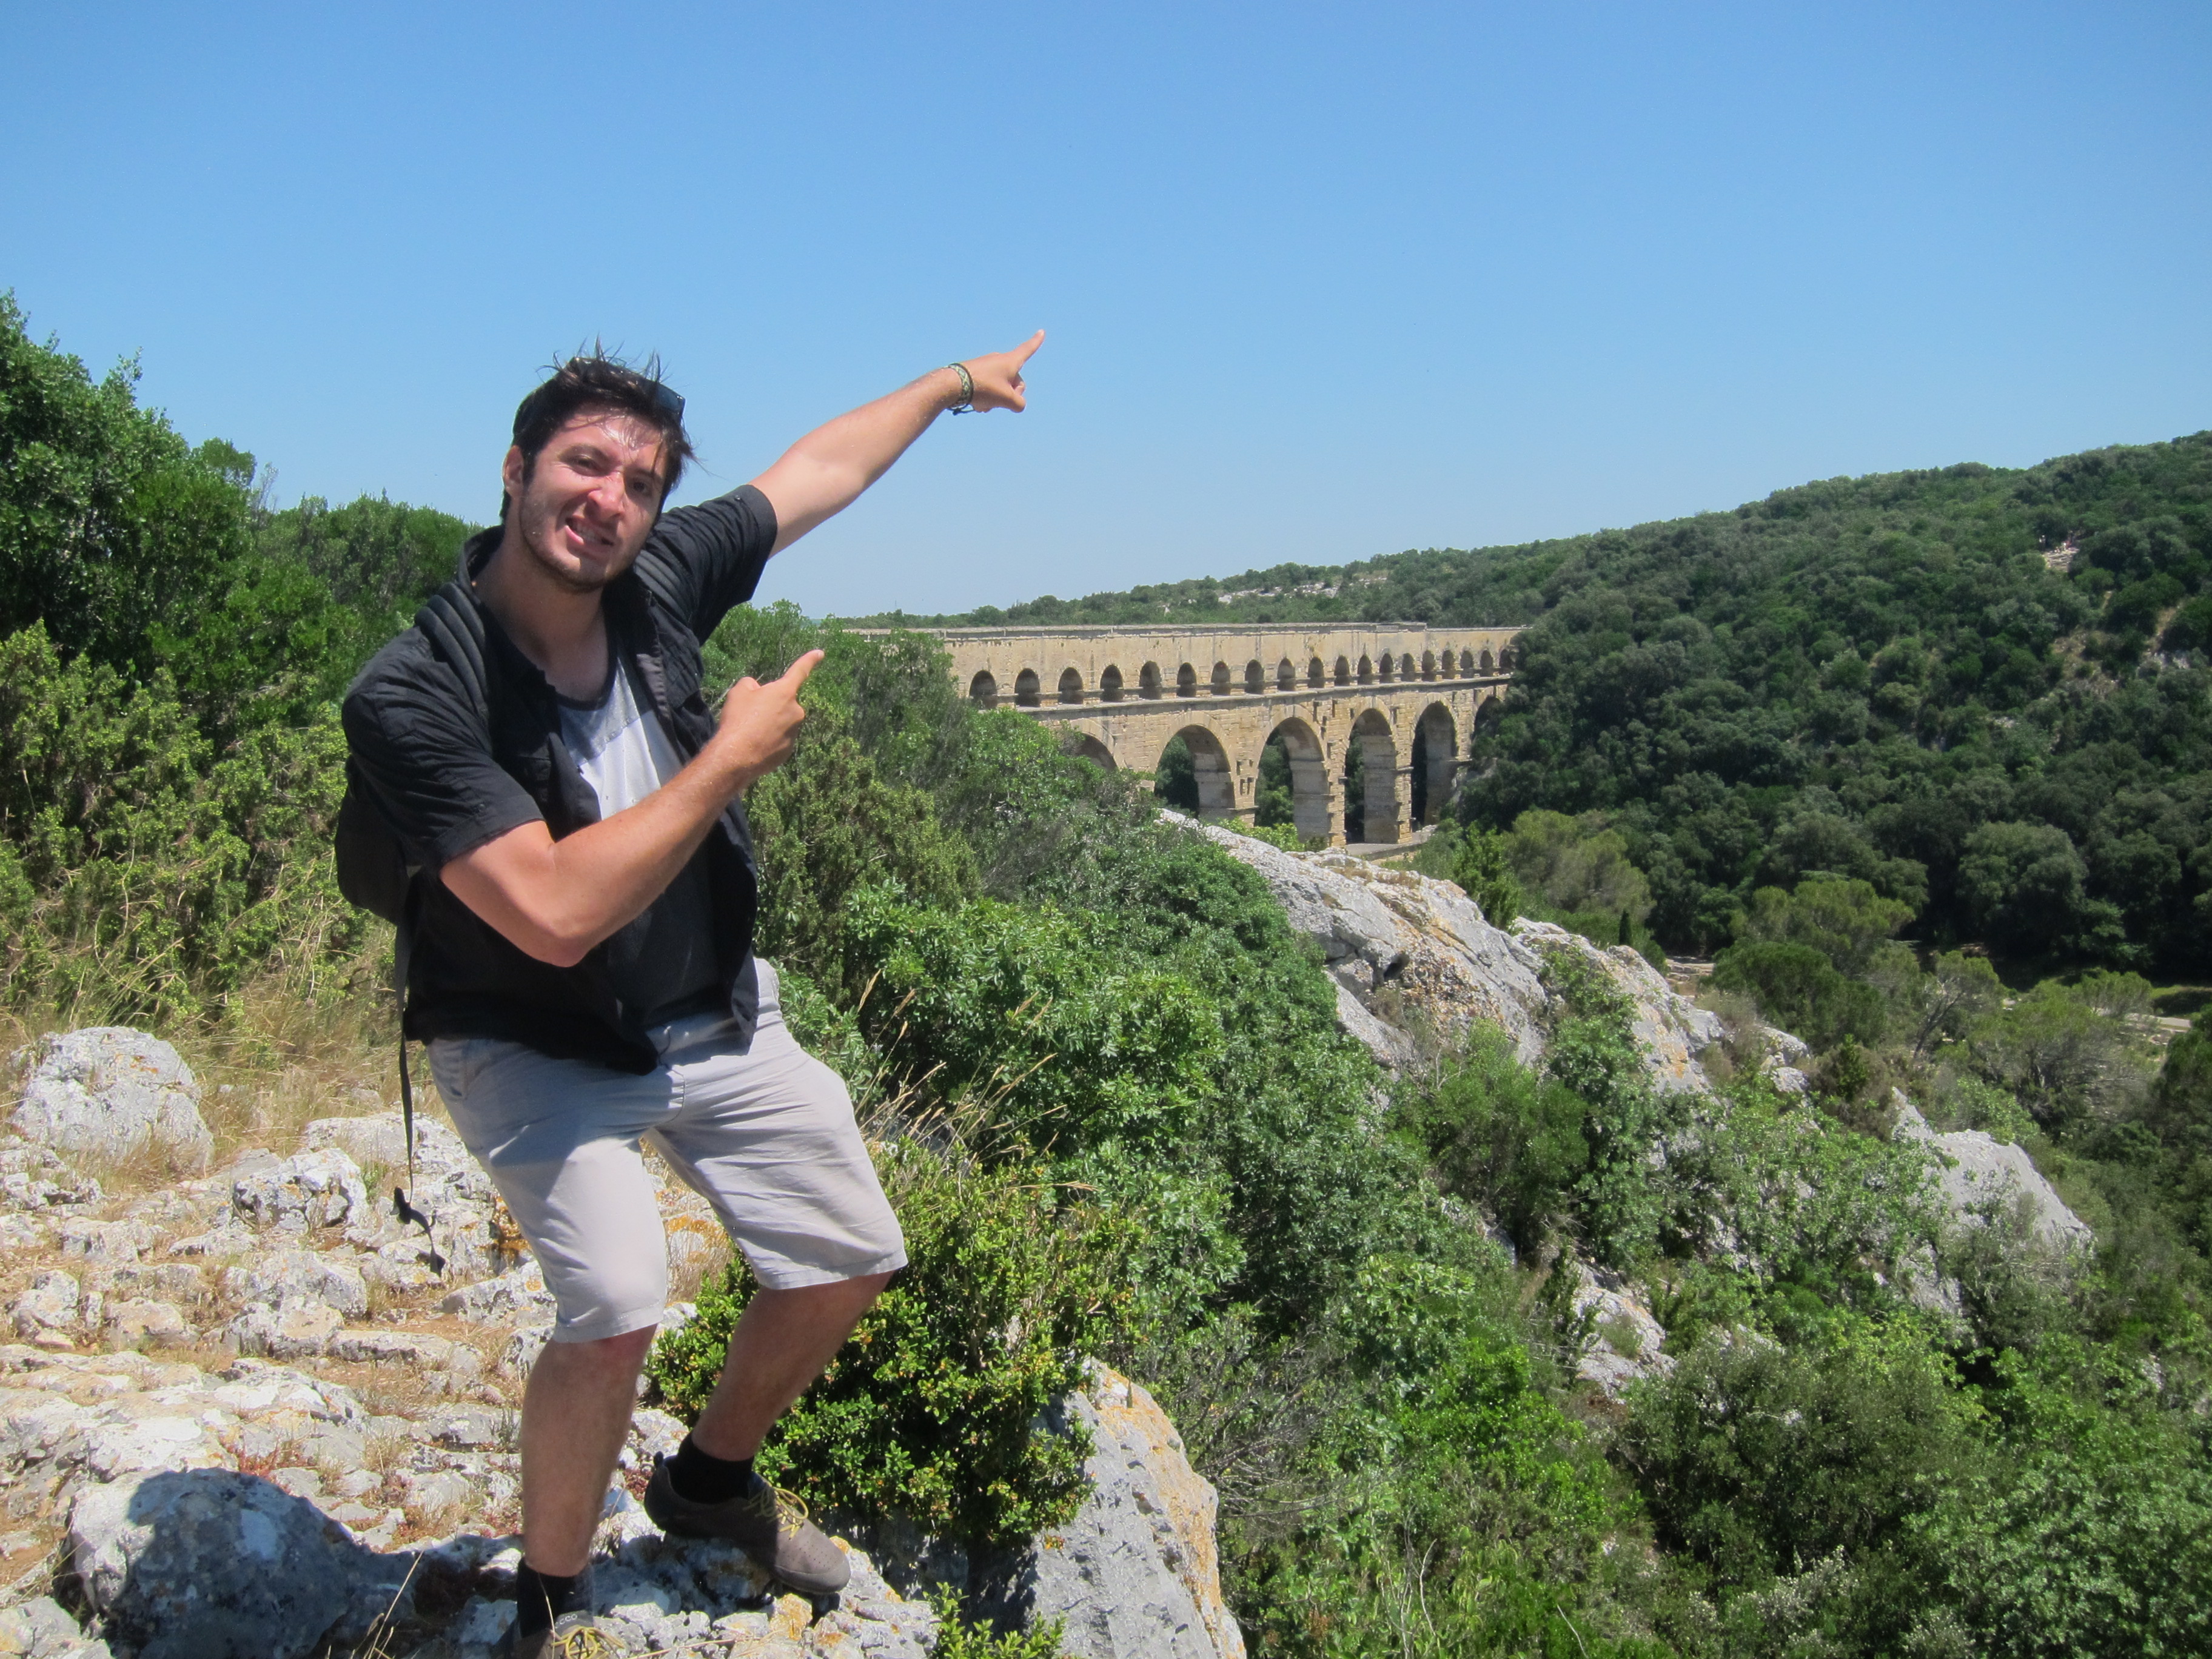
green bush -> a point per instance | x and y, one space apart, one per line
1760 1460
1501 1136
958 1639
1798 989
149 875
826 824
2091 1532
936 1408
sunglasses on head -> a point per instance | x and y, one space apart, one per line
668 401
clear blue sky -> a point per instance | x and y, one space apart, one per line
1321 283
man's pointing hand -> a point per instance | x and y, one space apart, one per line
759 721
998 376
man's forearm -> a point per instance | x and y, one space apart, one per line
826 471
556 899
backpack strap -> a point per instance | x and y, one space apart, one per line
449 620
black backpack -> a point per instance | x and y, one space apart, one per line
372 869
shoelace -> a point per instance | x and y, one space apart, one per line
790 1512
585 1642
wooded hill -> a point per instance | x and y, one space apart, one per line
1982 690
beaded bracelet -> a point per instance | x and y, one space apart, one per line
967 403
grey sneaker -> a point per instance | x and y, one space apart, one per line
573 1636
770 1525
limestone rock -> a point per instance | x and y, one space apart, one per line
141 1319
1624 1338
34 1178
1422 939
41 1629
108 1090
320 1188
1979 1175
108 1243
523 1348
51 1303
291 1330
1421 951
519 1293
300 1277
1669 1029
379 1139
1135 1574
210 1563
1393 1048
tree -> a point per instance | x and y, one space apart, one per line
1576 865
1798 989
2025 887
109 526
2065 1051
1481 868
1945 1001
1276 802
1847 921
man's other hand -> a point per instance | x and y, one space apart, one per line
998 376
760 721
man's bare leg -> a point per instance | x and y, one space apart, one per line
782 1343
575 1413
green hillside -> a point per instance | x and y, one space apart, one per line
1982 690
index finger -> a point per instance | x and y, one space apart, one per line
1027 349
795 676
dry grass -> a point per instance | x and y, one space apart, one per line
277 1053
383 1453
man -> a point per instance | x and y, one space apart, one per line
581 962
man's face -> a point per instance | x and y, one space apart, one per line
588 504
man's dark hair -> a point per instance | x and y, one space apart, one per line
600 383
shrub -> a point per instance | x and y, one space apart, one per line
958 1639
2093 1533
1760 1460
149 874
936 1408
1502 1136
2062 1052
827 824
1033 1012
1798 989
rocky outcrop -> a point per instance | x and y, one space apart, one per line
210 1561
1979 1178
1414 958
1135 1574
1670 1031
1622 1339
258 1413
1423 941
108 1091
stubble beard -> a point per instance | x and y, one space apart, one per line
568 580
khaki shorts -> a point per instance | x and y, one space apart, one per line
767 1137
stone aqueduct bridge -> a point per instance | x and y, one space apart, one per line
1408 695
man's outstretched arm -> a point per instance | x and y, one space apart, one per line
821 475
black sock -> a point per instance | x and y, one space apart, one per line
699 1478
541 1597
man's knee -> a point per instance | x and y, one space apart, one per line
598 1356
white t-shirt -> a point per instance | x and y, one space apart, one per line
619 746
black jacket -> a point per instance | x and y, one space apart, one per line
444 784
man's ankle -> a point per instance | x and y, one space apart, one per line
541 1597
701 1478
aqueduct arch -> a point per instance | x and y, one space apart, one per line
1409 696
